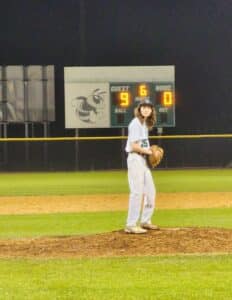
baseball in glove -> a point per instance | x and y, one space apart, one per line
155 158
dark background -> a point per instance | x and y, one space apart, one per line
193 35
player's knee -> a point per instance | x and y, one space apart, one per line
137 195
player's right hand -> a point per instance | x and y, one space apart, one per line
147 151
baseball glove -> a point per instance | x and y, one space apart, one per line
155 158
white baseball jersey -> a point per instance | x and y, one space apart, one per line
139 176
137 132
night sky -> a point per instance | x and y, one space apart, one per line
195 36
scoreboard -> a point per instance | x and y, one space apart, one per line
106 97
124 97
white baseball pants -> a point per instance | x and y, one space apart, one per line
141 187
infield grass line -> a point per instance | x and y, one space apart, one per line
66 224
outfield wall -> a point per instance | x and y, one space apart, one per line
106 154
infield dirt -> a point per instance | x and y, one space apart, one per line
117 243
115 202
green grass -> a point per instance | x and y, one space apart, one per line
18 226
138 278
143 278
111 182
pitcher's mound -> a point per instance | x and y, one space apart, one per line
119 243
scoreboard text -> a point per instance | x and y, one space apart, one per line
125 97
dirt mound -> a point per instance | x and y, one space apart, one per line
118 243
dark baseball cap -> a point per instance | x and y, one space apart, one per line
145 102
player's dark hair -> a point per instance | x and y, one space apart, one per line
150 121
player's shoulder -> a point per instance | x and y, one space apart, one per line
134 123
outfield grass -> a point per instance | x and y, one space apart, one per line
143 278
74 183
18 226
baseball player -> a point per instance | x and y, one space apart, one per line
139 175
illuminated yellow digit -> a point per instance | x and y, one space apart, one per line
143 90
124 99
167 98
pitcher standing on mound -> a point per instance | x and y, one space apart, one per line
139 175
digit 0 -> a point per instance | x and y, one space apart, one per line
167 98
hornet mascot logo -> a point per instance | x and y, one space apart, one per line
90 109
